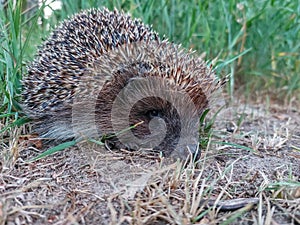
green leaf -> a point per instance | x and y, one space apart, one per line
55 149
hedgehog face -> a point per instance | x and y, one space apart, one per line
161 121
156 118
158 126
163 117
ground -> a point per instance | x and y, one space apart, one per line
254 155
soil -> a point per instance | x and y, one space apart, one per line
254 153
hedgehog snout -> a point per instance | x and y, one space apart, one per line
177 142
185 150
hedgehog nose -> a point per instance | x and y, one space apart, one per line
195 150
185 150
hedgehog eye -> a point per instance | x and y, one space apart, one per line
154 113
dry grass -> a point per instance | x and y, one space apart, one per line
90 185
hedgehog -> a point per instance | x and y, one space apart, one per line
103 73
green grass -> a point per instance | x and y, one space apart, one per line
16 47
255 42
